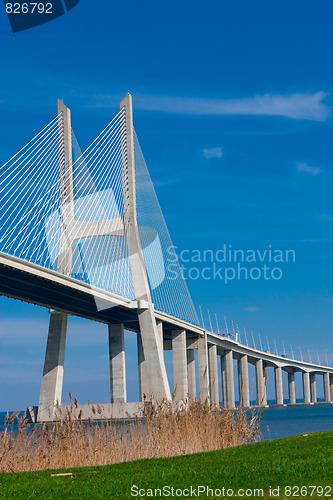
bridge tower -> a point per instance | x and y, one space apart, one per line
152 355
53 372
150 351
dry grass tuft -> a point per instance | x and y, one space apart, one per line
163 432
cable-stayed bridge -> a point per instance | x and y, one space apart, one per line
83 233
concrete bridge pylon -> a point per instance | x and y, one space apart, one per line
157 385
126 226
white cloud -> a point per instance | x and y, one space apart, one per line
212 153
298 106
304 167
23 328
26 362
328 217
103 357
81 332
251 309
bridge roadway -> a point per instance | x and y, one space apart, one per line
29 282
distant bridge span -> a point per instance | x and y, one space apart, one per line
32 283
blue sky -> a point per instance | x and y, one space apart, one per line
233 109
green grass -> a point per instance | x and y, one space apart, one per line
301 460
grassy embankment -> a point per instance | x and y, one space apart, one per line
304 460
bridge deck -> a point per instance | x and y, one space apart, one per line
22 280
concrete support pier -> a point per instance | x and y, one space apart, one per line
331 385
327 390
260 382
213 375
53 373
306 388
203 369
117 363
243 382
223 380
264 378
141 366
192 390
179 357
227 369
159 325
291 388
278 385
313 388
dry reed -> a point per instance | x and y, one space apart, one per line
164 431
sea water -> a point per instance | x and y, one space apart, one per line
278 422
292 420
